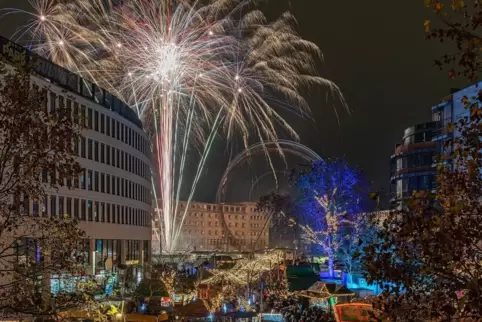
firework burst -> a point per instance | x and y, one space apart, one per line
188 68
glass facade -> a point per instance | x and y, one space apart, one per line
411 165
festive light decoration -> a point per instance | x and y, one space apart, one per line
331 196
245 271
168 278
188 69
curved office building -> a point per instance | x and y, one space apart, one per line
112 197
412 163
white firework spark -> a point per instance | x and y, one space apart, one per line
188 68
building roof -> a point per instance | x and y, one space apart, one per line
300 277
322 290
18 55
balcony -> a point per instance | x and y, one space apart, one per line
411 170
412 147
441 133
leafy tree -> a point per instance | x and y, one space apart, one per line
36 157
429 255
330 199
316 314
459 22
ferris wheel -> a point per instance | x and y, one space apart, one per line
283 146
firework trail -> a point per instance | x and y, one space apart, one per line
188 68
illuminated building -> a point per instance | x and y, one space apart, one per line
243 228
112 196
450 110
412 162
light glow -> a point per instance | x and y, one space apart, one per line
195 53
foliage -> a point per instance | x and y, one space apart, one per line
429 255
37 157
150 287
330 201
295 309
316 314
460 24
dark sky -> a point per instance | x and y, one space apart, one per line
377 53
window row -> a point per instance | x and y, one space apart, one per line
104 153
104 124
215 215
99 122
241 242
110 184
86 210
413 160
219 207
107 248
104 183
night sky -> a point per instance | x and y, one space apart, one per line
377 54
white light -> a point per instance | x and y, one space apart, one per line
240 90
210 33
61 42
129 73
119 45
42 18
236 77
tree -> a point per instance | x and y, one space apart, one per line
359 233
429 255
460 24
36 157
330 198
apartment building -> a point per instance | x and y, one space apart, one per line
112 196
225 227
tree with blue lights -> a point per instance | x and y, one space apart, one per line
330 199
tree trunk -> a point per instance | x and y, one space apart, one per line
331 264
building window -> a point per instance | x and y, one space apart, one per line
89 118
76 208
107 154
97 213
114 220
89 149
96 121
89 180
96 151
102 182
102 152
107 215
107 183
53 206
83 207
118 186
113 185
96 181
82 179
102 120
107 125
61 207
83 116
114 163
82 147
90 210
